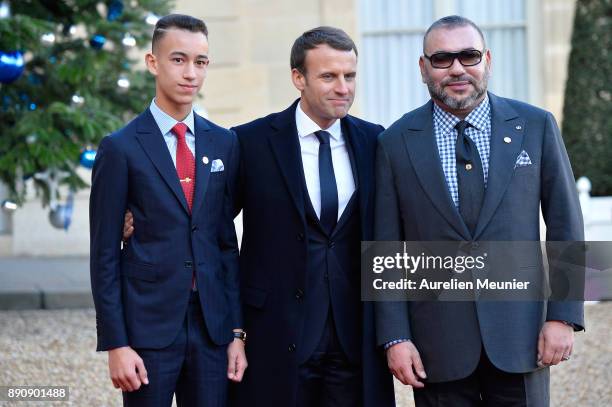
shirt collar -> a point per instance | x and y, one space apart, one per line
478 118
165 122
306 126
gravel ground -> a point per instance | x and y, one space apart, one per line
57 348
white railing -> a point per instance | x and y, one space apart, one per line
596 211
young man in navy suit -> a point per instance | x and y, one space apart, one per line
167 305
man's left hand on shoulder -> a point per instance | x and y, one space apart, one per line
555 343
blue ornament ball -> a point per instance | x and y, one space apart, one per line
115 9
97 41
11 66
88 156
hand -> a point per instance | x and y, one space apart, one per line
236 360
404 361
127 370
555 342
128 225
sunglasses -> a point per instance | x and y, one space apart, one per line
443 60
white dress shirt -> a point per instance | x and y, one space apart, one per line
165 122
309 147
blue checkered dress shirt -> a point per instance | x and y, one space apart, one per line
446 139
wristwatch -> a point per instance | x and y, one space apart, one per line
240 335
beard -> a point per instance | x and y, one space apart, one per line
438 93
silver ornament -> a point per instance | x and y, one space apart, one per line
48 38
151 19
123 83
77 100
5 10
128 40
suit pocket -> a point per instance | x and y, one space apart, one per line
527 178
254 297
140 271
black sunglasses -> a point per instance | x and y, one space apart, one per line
443 60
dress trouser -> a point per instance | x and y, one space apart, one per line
488 386
327 378
192 367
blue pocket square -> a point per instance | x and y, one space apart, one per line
217 165
522 160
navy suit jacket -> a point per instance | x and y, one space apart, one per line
141 292
413 204
274 260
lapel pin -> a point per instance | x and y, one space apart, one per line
205 160
507 140
518 127
468 166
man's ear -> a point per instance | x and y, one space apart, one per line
298 79
422 68
487 57
151 62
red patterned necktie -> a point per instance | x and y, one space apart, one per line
185 168
185 163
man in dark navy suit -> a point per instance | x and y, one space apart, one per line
306 191
167 305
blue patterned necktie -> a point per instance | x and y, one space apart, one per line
470 177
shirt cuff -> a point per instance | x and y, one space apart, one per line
395 342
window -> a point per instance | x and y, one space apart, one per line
391 43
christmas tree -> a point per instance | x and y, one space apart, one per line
68 77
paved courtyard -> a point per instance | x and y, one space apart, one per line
56 347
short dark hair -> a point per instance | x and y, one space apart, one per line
180 21
334 37
454 21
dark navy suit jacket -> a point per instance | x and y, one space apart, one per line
274 263
413 204
141 292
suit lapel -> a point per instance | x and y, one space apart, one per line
286 148
205 147
423 151
505 123
152 142
356 145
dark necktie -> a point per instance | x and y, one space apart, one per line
327 180
185 163
470 178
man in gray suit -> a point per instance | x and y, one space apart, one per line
472 166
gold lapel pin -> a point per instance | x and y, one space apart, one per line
507 140
205 160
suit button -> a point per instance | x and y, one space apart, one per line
194 228
188 264
300 237
292 347
299 294
331 244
